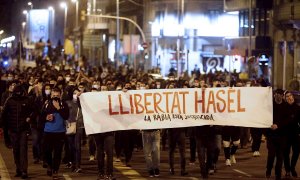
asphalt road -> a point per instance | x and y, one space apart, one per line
247 167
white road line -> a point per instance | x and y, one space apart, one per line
3 170
242 172
128 171
67 177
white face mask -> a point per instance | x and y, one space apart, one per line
157 86
68 79
74 97
142 88
96 86
47 92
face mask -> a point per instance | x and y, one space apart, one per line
157 86
96 86
47 92
68 79
142 88
172 79
81 89
9 78
56 99
74 97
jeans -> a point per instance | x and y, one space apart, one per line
215 145
75 147
256 134
192 149
92 145
37 136
203 150
292 143
124 141
105 144
53 145
151 146
276 146
20 149
177 136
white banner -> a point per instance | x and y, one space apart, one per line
170 108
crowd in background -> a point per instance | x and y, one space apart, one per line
42 101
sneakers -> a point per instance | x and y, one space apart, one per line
69 165
24 175
101 176
256 154
294 173
78 170
92 158
156 172
211 171
192 163
227 162
172 172
151 173
55 175
232 159
109 177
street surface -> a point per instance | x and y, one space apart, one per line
247 167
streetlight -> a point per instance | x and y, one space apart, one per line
52 20
1 32
76 18
30 4
64 5
25 12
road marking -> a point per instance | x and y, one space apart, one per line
3 170
67 177
241 172
128 171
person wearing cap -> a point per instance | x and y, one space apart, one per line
16 115
276 136
291 116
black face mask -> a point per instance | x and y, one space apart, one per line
55 99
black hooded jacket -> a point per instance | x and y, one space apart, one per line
15 111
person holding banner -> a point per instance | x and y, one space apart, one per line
151 148
105 146
276 136
176 136
230 134
291 116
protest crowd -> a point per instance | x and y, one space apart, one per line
44 102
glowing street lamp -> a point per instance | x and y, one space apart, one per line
64 5
30 4
25 12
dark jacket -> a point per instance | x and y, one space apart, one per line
292 116
61 114
15 111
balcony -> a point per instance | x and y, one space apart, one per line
288 14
